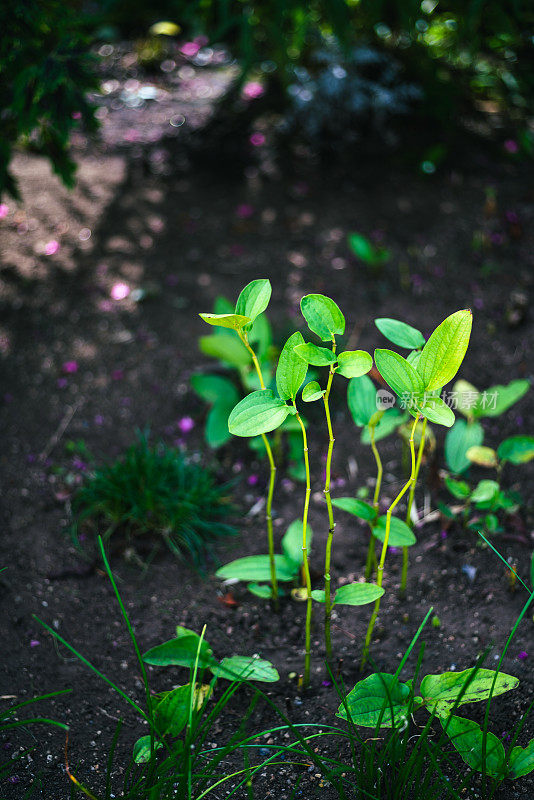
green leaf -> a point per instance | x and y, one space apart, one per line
466 397
292 541
172 712
357 594
399 374
180 652
391 420
213 388
485 491
357 508
216 429
223 395
374 699
291 370
498 399
228 349
323 316
314 355
521 760
366 251
437 411
312 391
233 321
459 439
261 335
259 412
246 668
254 299
445 350
258 568
458 489
141 750
517 449
467 737
400 535
400 333
483 456
361 399
413 358
319 595
354 363
441 692
262 590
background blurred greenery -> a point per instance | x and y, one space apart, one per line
470 59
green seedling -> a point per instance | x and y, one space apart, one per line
364 405
173 709
372 255
419 388
409 338
250 305
475 405
326 321
486 497
254 570
383 701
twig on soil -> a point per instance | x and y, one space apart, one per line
62 427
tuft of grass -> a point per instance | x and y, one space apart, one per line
153 491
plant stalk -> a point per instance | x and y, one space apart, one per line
331 523
380 570
305 563
371 553
405 553
270 491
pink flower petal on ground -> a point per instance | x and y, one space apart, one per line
69 367
189 49
34 643
257 139
252 480
51 247
186 424
244 211
511 146
4 210
252 90
120 291
522 655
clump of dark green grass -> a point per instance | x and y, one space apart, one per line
154 492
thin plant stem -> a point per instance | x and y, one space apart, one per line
331 523
371 553
272 478
405 550
380 569
305 563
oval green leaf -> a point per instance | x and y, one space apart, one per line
445 350
234 321
361 399
312 391
323 316
387 424
141 749
357 508
521 760
246 668
357 594
459 439
291 370
354 363
517 449
259 412
227 348
254 299
292 542
258 568
374 699
436 410
399 374
485 491
441 692
314 355
483 456
400 535
497 399
400 333
467 737
180 652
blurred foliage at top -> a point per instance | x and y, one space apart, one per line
471 59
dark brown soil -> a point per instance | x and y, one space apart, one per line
181 239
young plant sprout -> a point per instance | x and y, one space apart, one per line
325 319
252 301
420 388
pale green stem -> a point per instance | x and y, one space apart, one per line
380 570
405 550
306 566
371 553
272 478
331 523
